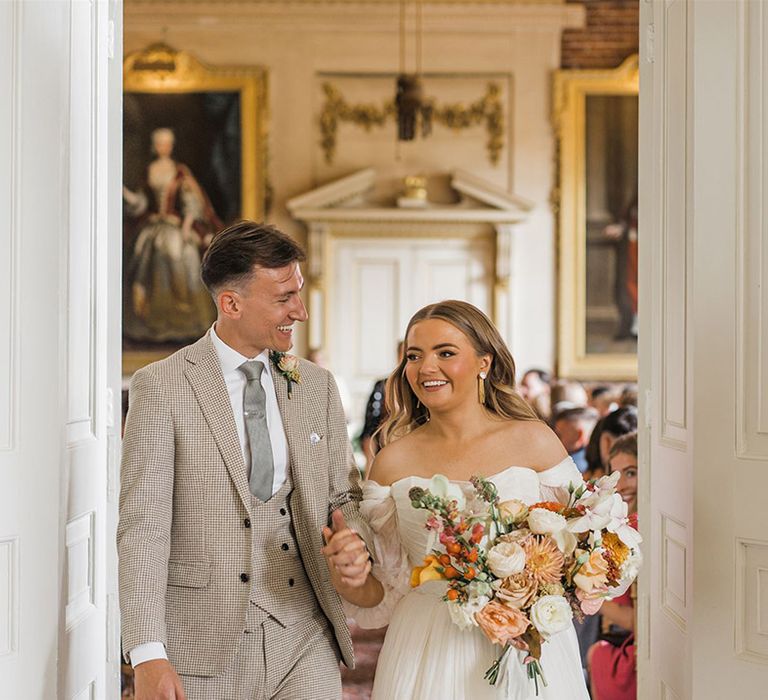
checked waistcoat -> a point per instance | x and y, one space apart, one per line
279 583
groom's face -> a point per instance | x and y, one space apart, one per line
270 306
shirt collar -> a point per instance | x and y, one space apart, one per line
229 358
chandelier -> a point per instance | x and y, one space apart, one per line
414 110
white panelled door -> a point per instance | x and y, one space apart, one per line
57 423
703 605
378 284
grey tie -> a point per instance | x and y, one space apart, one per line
255 415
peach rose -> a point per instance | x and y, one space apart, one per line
593 573
517 590
513 510
500 623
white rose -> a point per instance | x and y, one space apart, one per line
551 614
506 558
545 522
463 614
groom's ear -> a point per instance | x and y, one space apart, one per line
229 303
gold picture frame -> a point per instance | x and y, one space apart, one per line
595 120
218 120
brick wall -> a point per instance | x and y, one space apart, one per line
610 34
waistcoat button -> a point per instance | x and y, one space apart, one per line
247 522
283 511
244 578
290 582
284 547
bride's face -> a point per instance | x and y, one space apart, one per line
441 365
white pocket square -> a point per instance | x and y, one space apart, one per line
314 438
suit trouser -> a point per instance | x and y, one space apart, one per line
296 662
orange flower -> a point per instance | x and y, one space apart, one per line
543 560
428 572
501 624
616 550
548 505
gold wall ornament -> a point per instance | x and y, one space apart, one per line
487 111
572 196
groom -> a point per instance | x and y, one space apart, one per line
234 458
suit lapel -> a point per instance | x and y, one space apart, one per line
204 375
296 424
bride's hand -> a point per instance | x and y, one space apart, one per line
346 554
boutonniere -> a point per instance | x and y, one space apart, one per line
288 366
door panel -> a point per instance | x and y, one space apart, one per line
55 540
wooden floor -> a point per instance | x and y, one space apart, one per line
357 683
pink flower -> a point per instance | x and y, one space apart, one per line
589 605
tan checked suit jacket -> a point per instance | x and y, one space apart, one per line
182 541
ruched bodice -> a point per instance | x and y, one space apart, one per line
426 656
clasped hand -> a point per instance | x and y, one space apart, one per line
346 554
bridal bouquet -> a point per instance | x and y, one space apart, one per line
521 573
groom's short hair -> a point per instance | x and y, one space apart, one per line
235 251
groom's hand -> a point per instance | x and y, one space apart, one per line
157 680
346 553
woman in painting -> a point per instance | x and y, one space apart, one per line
167 299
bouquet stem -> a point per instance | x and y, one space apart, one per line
535 672
492 674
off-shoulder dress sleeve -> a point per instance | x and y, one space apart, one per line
391 566
559 476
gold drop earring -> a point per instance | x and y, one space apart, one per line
481 387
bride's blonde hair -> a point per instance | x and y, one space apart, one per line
405 412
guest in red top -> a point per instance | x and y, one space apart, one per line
611 661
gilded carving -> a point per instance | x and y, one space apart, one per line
487 111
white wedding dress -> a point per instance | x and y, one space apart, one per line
425 655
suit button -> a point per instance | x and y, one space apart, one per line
244 578
283 511
291 582
284 547
247 522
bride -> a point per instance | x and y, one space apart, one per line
454 411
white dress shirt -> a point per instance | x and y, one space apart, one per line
230 359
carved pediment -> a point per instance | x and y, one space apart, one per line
349 198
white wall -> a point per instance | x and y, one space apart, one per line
297 41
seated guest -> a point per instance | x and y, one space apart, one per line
611 661
567 391
603 399
617 423
375 413
574 427
534 388
628 395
